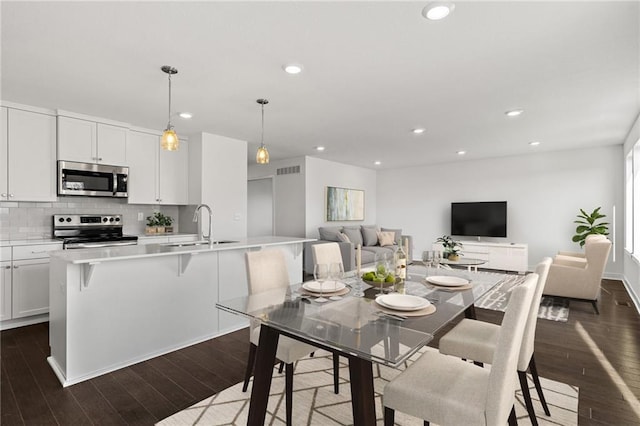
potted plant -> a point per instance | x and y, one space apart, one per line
588 225
158 223
451 247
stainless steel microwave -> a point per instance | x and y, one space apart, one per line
93 180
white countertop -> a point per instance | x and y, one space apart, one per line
168 249
35 241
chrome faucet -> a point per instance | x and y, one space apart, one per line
195 219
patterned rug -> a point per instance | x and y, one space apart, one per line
316 404
551 308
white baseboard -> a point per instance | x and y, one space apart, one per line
21 322
634 297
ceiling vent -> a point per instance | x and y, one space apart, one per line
288 170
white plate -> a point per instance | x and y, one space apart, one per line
327 286
402 302
448 281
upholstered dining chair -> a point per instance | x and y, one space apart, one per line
267 270
578 277
449 391
329 253
477 340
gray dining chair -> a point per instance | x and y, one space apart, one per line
477 341
449 391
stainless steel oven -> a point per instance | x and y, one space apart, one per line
94 180
79 231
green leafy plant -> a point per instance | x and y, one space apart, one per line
158 219
451 247
588 225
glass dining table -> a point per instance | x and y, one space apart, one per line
357 328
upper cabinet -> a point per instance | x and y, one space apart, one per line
88 141
27 143
156 176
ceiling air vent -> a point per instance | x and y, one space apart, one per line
288 170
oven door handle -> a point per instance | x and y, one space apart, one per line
100 245
115 183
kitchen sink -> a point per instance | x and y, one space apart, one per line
197 243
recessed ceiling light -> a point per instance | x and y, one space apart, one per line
534 143
377 163
461 152
292 68
186 115
437 10
319 148
418 131
514 112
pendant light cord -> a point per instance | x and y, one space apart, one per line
169 124
262 136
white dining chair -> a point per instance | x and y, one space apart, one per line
267 270
449 391
330 253
477 341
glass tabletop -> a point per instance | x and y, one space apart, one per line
357 325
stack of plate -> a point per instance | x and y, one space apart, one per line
402 302
448 281
325 287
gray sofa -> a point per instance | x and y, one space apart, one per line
366 235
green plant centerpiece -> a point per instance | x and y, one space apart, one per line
588 225
451 247
159 223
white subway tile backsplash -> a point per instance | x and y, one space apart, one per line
25 220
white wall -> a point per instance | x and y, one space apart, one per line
322 173
260 207
218 178
631 265
544 192
289 195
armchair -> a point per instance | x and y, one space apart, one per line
577 276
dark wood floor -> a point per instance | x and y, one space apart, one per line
599 354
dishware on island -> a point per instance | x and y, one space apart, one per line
320 274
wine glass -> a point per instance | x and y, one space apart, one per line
336 273
382 268
427 259
320 274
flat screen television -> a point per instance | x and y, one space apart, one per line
479 219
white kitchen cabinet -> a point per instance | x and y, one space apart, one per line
156 176
5 291
89 141
235 285
25 282
30 292
27 143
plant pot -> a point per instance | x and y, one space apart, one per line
150 230
159 229
168 229
453 257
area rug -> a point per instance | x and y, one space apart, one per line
551 308
316 404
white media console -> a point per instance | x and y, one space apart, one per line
502 256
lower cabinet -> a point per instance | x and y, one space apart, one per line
30 293
24 284
5 291
500 256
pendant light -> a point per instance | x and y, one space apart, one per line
262 156
169 141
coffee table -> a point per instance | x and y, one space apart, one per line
464 261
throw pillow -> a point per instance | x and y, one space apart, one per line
343 237
354 234
398 234
370 235
329 233
386 238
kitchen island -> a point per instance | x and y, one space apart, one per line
113 307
